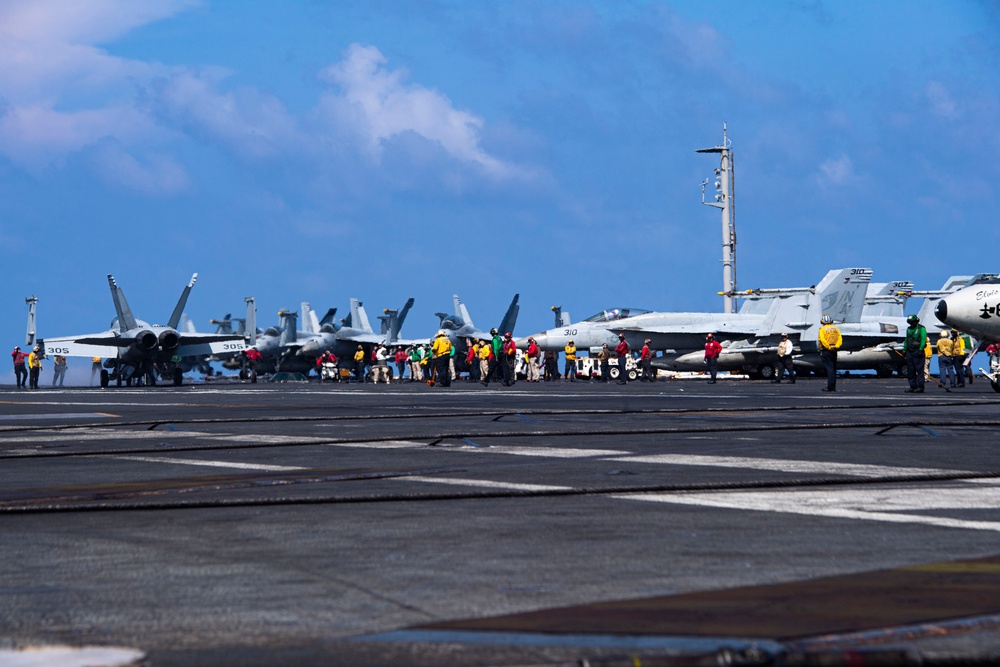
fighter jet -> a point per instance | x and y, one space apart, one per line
142 351
590 333
749 338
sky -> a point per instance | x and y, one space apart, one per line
319 150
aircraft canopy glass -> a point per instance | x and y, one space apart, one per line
613 314
272 331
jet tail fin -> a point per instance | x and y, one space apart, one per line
310 323
510 317
562 319
403 312
289 324
461 310
29 337
392 321
175 317
126 320
251 319
328 318
359 317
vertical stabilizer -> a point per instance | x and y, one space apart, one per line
175 317
841 295
310 323
887 299
402 314
29 337
289 325
251 319
510 317
126 320
328 318
461 310
359 318
393 321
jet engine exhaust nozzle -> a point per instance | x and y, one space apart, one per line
146 341
169 340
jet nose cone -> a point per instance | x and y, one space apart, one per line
941 310
541 340
311 348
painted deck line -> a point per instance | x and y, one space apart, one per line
62 415
385 444
70 656
889 505
485 484
680 644
553 452
210 464
785 465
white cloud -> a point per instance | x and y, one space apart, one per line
836 172
62 94
381 105
155 175
246 121
941 101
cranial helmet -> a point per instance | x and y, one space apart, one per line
945 334
493 331
827 319
912 319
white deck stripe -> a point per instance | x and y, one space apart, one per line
554 452
784 465
482 483
210 464
890 505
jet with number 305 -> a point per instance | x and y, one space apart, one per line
136 351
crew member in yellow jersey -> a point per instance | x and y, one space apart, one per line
442 356
946 368
830 341
570 351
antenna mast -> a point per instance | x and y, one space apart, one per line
725 188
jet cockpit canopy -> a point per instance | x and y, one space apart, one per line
615 314
272 331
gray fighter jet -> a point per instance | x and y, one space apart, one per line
142 352
877 341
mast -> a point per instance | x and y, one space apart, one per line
725 187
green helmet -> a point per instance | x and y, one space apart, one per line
912 319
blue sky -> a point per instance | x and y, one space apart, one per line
317 151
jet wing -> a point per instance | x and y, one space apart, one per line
361 337
92 345
192 345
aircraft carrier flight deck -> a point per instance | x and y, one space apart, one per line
540 524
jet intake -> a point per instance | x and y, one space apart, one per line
169 340
145 341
